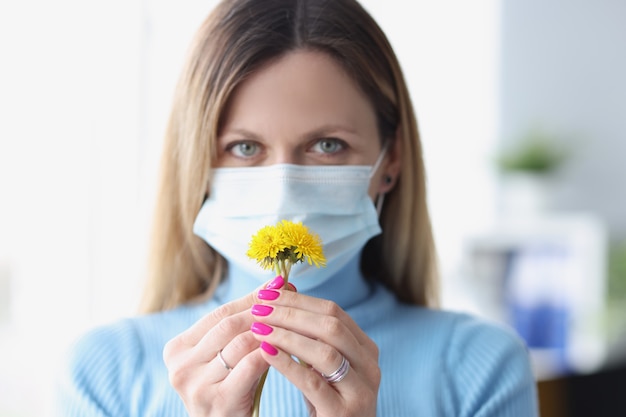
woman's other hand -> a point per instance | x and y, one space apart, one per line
215 365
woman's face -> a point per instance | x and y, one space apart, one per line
302 109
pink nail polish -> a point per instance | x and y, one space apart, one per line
271 350
292 287
261 328
261 310
276 284
268 294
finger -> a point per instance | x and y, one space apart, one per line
321 356
311 383
221 334
231 330
231 355
328 330
197 331
244 377
353 395
228 394
325 357
324 308
338 333
230 333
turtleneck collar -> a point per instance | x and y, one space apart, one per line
347 287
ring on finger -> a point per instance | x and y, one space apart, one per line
340 373
221 358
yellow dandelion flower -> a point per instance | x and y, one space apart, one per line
304 244
265 246
284 245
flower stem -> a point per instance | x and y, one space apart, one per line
283 267
256 406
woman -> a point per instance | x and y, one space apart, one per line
295 109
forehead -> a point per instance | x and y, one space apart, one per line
305 87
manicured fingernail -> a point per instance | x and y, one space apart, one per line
261 310
292 287
276 284
268 294
269 348
261 328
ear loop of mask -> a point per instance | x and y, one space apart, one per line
380 198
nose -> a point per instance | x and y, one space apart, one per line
286 155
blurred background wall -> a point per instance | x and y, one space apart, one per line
562 76
562 70
85 90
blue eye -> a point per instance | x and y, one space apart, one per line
328 146
244 149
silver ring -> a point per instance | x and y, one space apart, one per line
340 373
221 358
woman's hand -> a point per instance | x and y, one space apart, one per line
201 378
321 334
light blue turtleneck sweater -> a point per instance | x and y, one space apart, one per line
433 363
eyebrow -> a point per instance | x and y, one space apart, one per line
330 128
315 133
243 132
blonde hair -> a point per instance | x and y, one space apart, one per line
238 38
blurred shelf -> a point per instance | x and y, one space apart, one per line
545 275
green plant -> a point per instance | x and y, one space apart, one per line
615 313
536 152
617 271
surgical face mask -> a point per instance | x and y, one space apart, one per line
331 201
